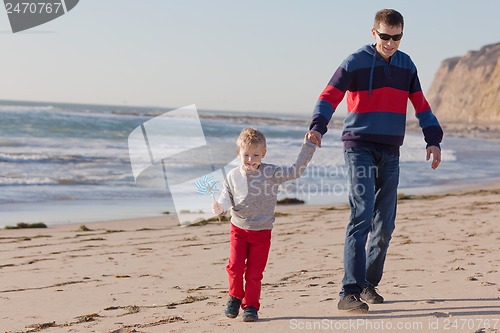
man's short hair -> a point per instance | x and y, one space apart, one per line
391 17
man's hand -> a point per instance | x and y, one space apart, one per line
314 137
436 156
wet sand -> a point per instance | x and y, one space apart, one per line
442 273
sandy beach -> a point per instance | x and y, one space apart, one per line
150 275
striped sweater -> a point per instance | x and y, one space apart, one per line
377 99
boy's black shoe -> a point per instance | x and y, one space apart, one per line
250 314
232 307
370 295
352 303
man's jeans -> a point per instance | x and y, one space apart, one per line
373 182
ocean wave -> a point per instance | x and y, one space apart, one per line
118 180
260 120
47 158
229 117
25 108
5 157
8 181
9 143
52 152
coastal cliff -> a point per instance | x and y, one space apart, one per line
466 89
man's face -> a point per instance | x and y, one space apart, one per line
387 48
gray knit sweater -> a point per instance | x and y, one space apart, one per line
251 196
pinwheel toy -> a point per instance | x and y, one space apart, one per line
206 185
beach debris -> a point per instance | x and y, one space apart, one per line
487 284
441 314
457 269
125 330
87 318
328 299
219 218
42 326
133 309
131 329
22 225
289 201
190 290
83 227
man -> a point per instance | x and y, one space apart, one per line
378 80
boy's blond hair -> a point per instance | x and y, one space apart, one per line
249 137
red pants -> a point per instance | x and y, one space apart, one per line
249 250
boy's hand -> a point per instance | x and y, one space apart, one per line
217 208
314 137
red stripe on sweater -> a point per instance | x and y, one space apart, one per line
381 100
419 102
332 95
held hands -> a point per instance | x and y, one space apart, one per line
217 208
436 156
314 137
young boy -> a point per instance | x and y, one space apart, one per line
250 193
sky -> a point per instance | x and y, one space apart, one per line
250 56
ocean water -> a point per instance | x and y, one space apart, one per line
67 163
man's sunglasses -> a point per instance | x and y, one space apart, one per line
387 36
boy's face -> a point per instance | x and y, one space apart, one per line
386 48
252 156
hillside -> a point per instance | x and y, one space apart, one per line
466 89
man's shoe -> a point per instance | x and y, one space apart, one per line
370 295
232 307
352 303
250 314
